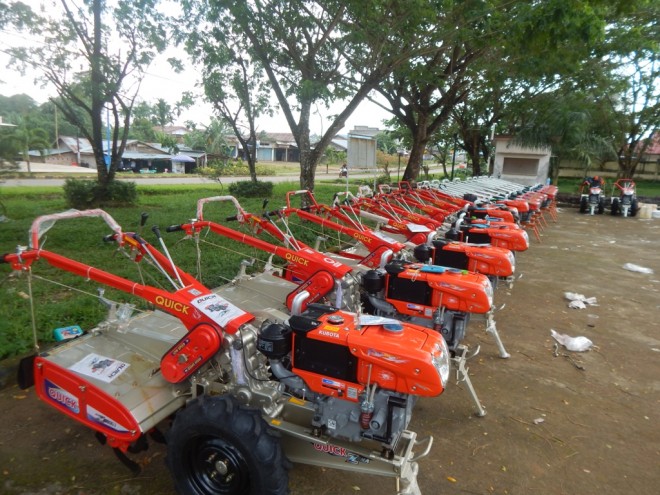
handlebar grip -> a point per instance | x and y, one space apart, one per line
109 238
156 231
306 208
232 218
173 228
3 258
272 213
138 238
143 218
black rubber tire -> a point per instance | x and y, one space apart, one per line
216 432
583 205
634 208
614 208
601 206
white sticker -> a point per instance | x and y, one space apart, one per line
100 367
217 308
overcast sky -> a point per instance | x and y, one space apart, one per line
162 82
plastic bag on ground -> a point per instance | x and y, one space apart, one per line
578 301
575 344
636 268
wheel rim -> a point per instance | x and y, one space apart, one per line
216 466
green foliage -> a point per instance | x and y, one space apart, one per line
85 194
230 168
250 189
334 156
9 150
79 57
162 113
168 142
143 130
16 104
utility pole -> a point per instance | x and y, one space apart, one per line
57 132
453 157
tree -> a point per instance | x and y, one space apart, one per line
487 55
162 113
19 104
29 137
234 85
330 51
90 70
569 123
636 43
9 149
422 92
606 105
143 130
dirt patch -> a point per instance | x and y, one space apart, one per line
557 422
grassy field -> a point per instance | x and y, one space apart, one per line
62 299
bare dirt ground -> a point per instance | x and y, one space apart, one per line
567 424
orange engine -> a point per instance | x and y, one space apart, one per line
338 356
362 374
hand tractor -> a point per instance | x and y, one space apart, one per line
592 199
625 203
452 295
245 393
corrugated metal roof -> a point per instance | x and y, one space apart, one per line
136 155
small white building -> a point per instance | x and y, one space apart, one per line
520 164
361 152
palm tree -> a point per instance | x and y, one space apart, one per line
29 137
216 137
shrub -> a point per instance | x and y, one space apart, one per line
217 169
249 189
84 194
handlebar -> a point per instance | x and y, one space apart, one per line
272 213
174 228
232 218
3 258
109 238
156 231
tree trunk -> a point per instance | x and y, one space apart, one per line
473 150
97 101
415 160
421 138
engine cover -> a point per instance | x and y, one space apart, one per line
337 357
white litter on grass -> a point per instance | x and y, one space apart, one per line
538 421
575 344
636 268
578 301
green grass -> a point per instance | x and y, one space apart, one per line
74 301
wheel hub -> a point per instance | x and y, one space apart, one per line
219 468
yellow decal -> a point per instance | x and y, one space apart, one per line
362 238
170 304
296 259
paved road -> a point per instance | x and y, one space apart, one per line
152 179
